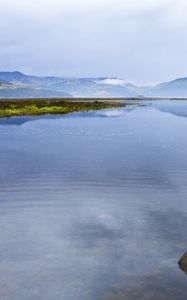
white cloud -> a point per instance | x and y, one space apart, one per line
44 8
141 41
112 81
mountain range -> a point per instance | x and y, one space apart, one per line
18 85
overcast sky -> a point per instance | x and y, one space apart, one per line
143 41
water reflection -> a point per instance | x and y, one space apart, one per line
154 287
105 113
94 207
175 107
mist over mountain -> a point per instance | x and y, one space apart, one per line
17 84
174 88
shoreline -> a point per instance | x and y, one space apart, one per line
34 107
87 99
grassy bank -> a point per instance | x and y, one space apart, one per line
15 107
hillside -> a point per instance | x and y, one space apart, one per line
17 89
175 88
17 84
77 87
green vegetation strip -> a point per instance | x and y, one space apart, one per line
49 106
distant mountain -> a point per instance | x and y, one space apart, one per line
26 92
17 84
14 77
175 88
77 87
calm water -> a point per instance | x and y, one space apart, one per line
93 206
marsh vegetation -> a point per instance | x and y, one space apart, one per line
15 107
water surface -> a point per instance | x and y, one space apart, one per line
93 205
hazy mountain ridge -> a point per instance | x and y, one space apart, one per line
15 91
17 84
77 87
174 88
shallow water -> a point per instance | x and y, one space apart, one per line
93 205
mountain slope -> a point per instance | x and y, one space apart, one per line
17 84
10 90
77 87
174 88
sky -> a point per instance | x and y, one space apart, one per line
142 41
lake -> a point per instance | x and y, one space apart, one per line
93 205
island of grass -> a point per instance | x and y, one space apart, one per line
16 107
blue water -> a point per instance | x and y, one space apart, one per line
93 205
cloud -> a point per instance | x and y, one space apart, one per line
112 81
49 7
141 41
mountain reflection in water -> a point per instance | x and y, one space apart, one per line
93 205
